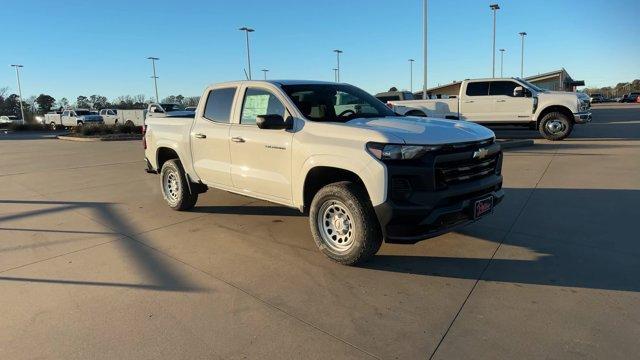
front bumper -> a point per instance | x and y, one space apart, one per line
432 196
438 213
582 117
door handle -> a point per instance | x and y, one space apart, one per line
501 100
200 136
468 101
237 139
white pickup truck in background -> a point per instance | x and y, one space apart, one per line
72 118
123 117
511 101
363 173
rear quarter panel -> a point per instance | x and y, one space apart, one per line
173 133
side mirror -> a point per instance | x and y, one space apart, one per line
518 91
271 121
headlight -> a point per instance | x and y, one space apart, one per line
399 152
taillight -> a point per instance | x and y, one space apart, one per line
144 137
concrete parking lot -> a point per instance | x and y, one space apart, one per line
94 265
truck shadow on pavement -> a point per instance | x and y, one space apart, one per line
576 238
154 267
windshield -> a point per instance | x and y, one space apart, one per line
531 86
335 102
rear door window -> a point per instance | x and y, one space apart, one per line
502 88
218 106
480 88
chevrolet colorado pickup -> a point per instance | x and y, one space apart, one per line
363 173
508 101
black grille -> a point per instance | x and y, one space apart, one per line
456 172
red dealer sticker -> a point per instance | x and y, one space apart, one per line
483 207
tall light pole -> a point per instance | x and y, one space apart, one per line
501 61
265 73
495 8
247 31
522 35
411 74
338 52
17 67
425 9
155 78
335 74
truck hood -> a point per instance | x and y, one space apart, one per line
423 130
559 96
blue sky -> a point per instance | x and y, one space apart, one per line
72 48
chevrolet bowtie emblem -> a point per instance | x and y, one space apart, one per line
480 153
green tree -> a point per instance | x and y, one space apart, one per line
82 102
45 103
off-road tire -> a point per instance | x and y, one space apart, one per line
365 237
555 118
177 195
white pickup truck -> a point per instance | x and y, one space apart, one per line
510 101
363 173
123 117
72 118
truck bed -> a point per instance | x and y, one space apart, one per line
438 108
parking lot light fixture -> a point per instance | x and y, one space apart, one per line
248 30
338 52
265 71
501 62
411 61
425 12
335 74
17 67
155 78
522 35
494 8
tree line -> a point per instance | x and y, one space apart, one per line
44 103
615 91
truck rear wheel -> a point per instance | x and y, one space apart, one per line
343 223
175 189
555 126
53 126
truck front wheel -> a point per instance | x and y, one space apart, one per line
175 189
343 223
555 126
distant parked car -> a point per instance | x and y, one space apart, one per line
190 108
8 119
630 97
596 98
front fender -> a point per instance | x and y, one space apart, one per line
370 171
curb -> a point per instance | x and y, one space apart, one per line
516 143
95 139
